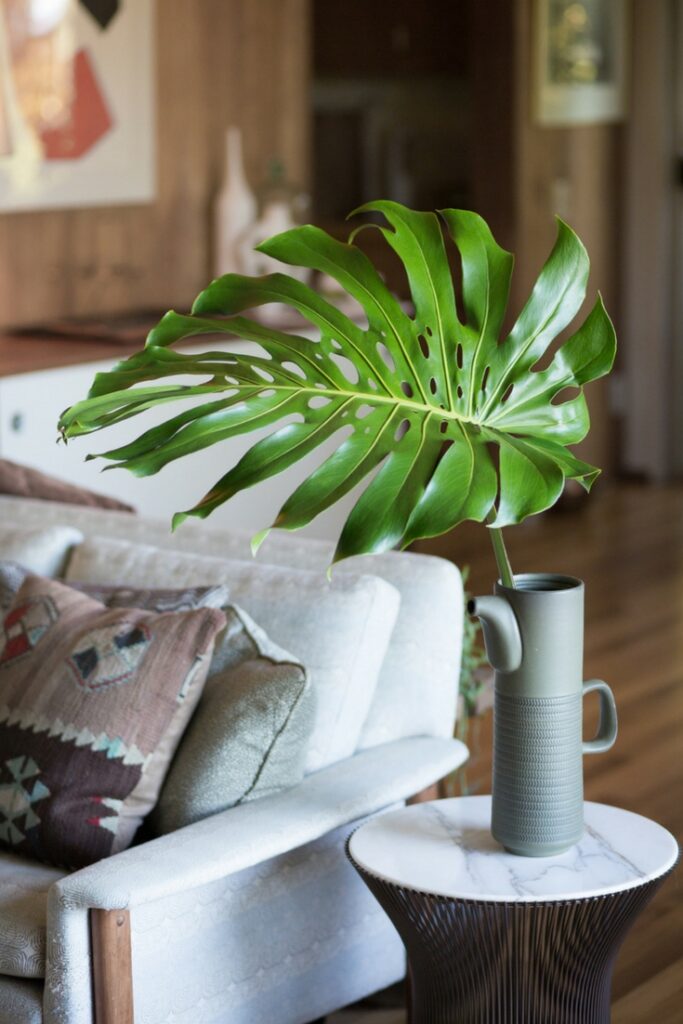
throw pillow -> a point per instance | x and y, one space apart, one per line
43 551
92 705
249 735
25 482
340 630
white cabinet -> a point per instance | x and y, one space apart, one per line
30 405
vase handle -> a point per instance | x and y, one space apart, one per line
607 726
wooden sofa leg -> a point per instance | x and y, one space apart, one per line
112 966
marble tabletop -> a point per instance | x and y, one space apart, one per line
446 848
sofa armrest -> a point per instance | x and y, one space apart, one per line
254 832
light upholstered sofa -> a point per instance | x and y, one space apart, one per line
252 916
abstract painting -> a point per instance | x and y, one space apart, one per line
76 103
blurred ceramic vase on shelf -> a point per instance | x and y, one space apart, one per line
281 208
235 210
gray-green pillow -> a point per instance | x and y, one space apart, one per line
249 734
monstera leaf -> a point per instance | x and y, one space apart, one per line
422 399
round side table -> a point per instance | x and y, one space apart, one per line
493 938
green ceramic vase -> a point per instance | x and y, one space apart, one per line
534 641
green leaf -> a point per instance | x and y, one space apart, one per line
530 481
529 409
355 457
463 486
379 518
415 402
486 275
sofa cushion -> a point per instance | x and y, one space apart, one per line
249 735
340 630
425 645
92 705
41 550
26 482
12 575
24 886
21 1001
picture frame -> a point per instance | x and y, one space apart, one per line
77 104
580 51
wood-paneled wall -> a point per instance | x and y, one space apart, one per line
524 173
248 62
653 233
219 62
577 169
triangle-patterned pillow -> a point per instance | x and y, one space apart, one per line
93 702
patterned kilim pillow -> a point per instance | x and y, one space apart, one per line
93 703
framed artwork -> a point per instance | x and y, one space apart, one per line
580 57
77 125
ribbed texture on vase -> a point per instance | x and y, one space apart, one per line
475 962
537 773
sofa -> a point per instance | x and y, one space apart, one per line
252 915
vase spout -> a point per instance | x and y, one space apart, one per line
501 631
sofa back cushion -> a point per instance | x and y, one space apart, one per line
42 550
12 575
340 630
417 690
418 683
92 705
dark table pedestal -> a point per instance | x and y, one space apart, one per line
476 962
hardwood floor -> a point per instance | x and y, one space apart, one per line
626 543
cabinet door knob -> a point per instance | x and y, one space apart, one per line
17 422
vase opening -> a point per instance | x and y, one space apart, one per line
542 582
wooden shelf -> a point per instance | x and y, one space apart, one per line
25 353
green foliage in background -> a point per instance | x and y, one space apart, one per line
473 667
423 399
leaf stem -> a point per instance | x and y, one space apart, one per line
499 550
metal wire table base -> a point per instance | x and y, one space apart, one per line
485 962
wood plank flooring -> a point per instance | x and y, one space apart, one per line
626 542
